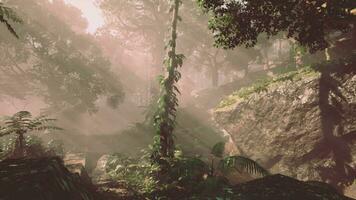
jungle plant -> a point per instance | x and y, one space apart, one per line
240 23
21 123
136 172
165 117
235 162
7 15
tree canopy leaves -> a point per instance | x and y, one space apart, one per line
67 70
236 23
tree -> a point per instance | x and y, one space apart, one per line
237 23
7 15
164 119
21 123
141 25
66 70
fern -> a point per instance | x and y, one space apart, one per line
235 162
21 123
241 163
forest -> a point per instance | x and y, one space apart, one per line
177 99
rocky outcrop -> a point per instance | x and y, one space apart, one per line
280 187
301 124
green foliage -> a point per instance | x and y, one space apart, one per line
65 69
183 177
236 23
33 146
165 117
241 164
137 173
262 85
7 15
22 123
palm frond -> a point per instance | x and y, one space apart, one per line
22 114
44 128
4 132
43 119
241 163
22 122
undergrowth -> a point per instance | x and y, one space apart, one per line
181 177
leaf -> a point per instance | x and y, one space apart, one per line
218 149
241 163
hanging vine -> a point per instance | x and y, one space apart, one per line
165 117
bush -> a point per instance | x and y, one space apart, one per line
34 147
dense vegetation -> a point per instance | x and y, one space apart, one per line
49 58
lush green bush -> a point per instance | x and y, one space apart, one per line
34 147
136 172
181 177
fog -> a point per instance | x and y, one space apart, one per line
93 65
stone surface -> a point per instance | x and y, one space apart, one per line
76 164
278 187
304 128
99 173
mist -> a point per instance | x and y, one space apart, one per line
182 80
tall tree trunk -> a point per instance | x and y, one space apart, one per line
215 69
22 147
169 100
19 149
215 75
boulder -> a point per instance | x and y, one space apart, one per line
301 124
76 163
279 187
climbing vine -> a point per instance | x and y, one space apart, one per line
165 117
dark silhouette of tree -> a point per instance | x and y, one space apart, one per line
51 61
7 15
335 109
237 23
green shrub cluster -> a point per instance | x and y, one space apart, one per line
181 177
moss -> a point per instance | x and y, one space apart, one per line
262 85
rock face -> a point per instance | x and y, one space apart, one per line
302 125
280 187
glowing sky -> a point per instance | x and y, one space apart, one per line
91 12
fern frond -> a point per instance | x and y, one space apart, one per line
22 114
43 128
241 163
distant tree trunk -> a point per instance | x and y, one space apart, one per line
19 149
214 69
215 75
165 126
279 48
